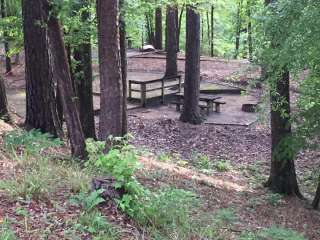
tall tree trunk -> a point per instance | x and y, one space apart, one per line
282 177
5 37
250 43
179 25
208 29
83 79
191 111
4 112
212 31
61 72
171 36
39 89
150 30
158 27
124 65
202 36
238 29
112 104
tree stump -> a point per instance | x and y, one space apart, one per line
107 184
249 107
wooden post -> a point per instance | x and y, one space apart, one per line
210 107
162 90
179 79
218 108
130 90
143 94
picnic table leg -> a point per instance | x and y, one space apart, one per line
218 109
210 107
162 90
143 94
179 84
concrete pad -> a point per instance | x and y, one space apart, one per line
17 102
231 112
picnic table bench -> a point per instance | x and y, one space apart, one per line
208 99
146 85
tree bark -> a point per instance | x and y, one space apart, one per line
282 177
4 112
39 91
208 29
61 72
212 32
158 29
250 42
83 79
179 27
150 30
238 29
124 66
171 36
5 37
191 111
112 104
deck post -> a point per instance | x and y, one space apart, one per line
143 94
162 90
130 90
179 77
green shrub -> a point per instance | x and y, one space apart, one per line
164 157
222 166
94 224
88 201
121 162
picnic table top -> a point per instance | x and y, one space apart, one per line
203 97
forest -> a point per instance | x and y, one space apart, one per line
159 119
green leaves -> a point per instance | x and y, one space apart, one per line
88 201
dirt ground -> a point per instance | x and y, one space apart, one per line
246 149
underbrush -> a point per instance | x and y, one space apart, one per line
38 173
164 214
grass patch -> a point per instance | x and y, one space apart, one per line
273 233
6 232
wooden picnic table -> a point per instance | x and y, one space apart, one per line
166 83
209 99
